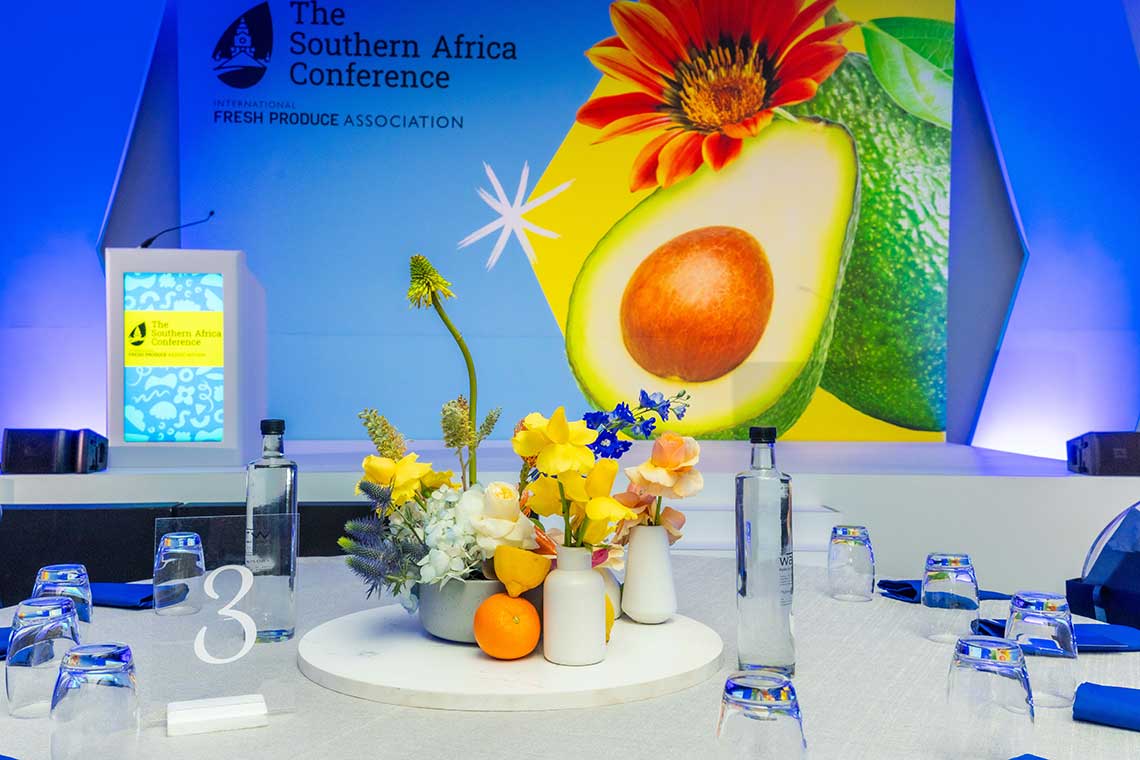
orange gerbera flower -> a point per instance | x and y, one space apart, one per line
708 72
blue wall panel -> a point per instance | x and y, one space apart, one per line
1062 91
67 116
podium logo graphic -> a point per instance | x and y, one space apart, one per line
138 334
242 53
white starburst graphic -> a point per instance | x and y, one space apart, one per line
511 220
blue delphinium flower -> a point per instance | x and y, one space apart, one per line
655 402
622 413
645 427
609 446
595 420
679 409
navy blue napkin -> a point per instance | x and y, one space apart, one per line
1107 705
911 591
131 596
4 633
127 596
1091 637
1028 757
5 757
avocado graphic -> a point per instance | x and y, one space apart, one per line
724 284
888 355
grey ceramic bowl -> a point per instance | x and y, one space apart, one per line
446 612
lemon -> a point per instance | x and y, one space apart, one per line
520 570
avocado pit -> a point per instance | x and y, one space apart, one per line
698 305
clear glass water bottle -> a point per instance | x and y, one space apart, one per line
271 535
764 565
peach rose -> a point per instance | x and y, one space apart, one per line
671 469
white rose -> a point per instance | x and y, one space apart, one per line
501 501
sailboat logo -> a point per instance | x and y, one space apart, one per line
138 334
241 56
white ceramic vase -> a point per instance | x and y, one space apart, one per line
574 610
649 595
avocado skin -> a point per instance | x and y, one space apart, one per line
888 355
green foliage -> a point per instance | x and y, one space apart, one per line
389 442
456 424
913 59
459 432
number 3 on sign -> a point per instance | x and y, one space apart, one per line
248 627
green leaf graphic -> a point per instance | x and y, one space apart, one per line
913 58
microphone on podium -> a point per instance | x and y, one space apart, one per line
150 240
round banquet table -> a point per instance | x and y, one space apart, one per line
870 689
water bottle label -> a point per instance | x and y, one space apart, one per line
786 582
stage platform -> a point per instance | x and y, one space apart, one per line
1027 520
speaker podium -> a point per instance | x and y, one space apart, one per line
186 358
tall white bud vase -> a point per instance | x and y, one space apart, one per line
649 595
574 610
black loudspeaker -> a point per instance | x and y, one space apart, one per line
1105 454
51 451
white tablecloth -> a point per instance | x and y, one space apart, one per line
869 688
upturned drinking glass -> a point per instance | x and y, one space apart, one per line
760 718
1043 626
949 597
179 568
43 630
851 564
66 580
95 705
990 701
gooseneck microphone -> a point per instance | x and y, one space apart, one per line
150 240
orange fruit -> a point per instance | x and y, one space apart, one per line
507 628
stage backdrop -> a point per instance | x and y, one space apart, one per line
746 201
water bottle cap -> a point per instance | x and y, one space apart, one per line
762 434
273 427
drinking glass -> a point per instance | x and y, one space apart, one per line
66 580
1043 626
760 718
949 597
95 706
43 630
179 568
851 564
989 698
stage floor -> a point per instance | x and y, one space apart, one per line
1027 520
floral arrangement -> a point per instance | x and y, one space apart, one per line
569 469
426 527
432 526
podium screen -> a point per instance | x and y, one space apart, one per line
173 357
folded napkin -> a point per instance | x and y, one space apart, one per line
911 591
5 757
1091 637
4 633
1107 705
1028 757
131 596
